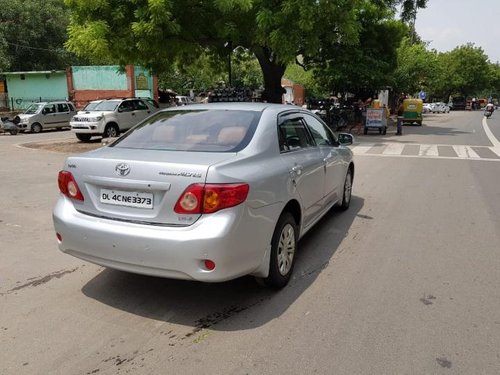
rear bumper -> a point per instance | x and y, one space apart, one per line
236 240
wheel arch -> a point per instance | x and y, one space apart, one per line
293 207
351 167
112 123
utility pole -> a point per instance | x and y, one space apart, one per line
229 45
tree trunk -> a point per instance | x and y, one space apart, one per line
272 72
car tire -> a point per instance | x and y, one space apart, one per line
283 252
365 131
384 132
13 131
83 137
347 192
111 131
36 128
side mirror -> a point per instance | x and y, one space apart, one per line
345 139
44 111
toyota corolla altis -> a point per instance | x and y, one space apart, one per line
205 192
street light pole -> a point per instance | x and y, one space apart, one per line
229 45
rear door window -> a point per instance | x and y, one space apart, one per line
140 105
62 107
126 106
49 108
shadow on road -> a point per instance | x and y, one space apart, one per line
199 305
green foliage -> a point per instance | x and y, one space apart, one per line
246 69
32 34
159 33
368 65
209 71
306 78
465 69
416 68
201 75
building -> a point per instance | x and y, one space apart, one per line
294 93
79 84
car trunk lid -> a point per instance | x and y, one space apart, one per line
139 185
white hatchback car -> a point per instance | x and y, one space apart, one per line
440 107
205 192
45 115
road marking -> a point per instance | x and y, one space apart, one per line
491 137
363 148
465 152
456 152
394 149
428 150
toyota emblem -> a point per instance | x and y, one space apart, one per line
122 169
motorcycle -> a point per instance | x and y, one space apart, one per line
488 113
8 127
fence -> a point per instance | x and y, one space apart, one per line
16 104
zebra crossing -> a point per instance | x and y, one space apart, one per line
396 149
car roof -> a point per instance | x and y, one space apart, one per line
237 106
53 102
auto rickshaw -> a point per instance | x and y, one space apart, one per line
413 109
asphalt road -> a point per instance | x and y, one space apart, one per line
405 282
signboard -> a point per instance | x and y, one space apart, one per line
141 82
375 118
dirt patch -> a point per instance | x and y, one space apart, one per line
69 146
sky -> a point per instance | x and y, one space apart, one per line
447 24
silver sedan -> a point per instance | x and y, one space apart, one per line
205 192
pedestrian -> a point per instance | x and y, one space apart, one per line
399 127
358 112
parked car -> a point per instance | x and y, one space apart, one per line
185 193
108 118
45 115
440 107
427 107
183 100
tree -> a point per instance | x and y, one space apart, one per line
32 35
367 66
465 69
154 33
417 68
199 76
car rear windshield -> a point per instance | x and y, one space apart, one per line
195 130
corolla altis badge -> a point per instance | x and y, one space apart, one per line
122 169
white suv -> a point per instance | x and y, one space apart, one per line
107 118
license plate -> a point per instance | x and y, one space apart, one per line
127 198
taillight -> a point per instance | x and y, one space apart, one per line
209 198
68 186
